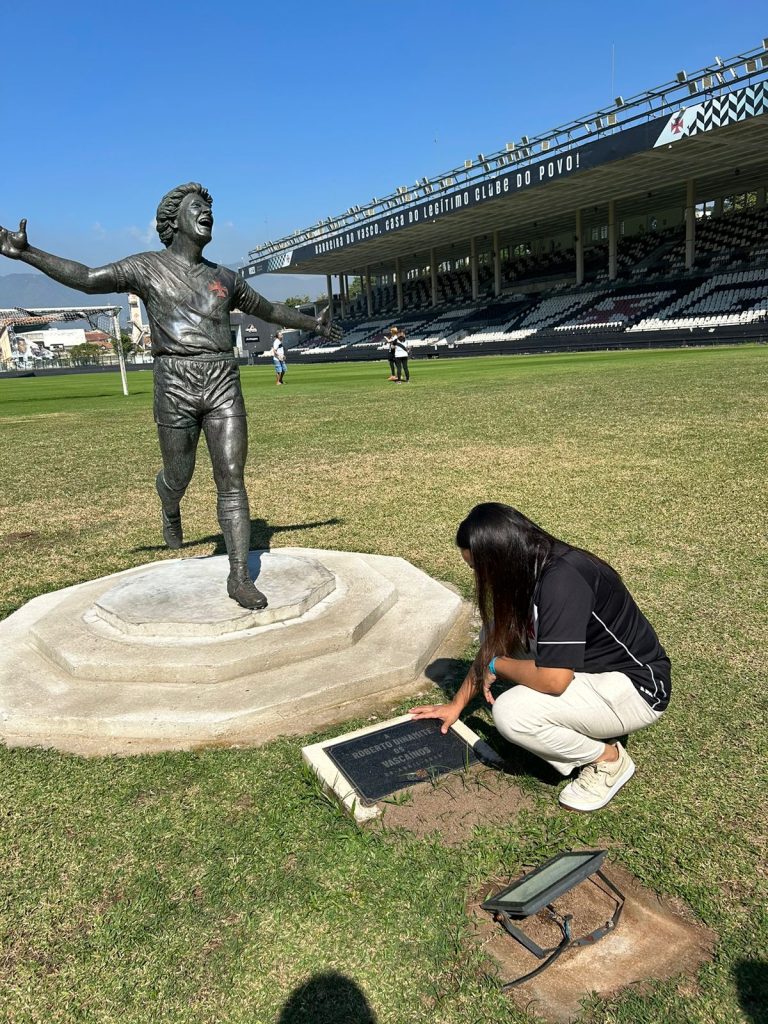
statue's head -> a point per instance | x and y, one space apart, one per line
186 208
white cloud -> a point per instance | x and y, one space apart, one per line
146 236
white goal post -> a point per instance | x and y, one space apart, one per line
101 318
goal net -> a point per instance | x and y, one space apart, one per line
104 319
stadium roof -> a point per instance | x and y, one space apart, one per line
639 152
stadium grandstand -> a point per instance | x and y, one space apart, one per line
642 224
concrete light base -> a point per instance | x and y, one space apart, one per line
159 658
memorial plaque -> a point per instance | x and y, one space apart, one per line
384 761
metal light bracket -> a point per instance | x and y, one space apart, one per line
551 954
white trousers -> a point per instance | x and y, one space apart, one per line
565 731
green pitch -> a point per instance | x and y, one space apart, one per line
204 887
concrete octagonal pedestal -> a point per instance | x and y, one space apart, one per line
159 658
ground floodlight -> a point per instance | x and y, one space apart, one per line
524 139
510 147
529 894
537 890
467 164
611 119
619 101
599 123
693 88
682 77
719 61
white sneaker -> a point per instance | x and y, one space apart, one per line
598 783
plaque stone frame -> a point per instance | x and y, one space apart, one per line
335 782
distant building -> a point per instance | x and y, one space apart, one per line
252 336
57 339
99 338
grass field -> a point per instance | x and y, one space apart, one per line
208 886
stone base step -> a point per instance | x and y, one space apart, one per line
369 639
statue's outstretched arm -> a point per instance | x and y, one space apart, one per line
15 246
287 316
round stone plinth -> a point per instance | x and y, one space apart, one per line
189 597
89 669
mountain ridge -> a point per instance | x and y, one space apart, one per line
33 291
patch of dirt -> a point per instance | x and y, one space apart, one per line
655 939
20 538
454 804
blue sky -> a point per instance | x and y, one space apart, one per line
293 111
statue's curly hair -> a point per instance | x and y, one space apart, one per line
169 205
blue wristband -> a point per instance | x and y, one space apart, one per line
492 666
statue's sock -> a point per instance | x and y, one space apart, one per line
235 521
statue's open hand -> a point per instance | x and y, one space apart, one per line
14 243
328 330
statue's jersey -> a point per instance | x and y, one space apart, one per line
188 306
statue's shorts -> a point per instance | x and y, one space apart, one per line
190 389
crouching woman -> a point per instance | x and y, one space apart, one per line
560 628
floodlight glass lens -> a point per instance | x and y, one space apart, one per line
541 880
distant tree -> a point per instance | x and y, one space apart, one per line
86 354
297 300
126 342
355 287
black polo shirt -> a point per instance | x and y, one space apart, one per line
585 619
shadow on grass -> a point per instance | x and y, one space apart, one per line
58 397
329 998
751 978
448 674
261 536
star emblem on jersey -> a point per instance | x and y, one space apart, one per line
218 289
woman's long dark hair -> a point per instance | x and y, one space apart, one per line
508 553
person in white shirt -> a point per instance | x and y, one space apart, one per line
401 358
278 358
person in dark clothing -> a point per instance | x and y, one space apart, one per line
401 357
582 663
